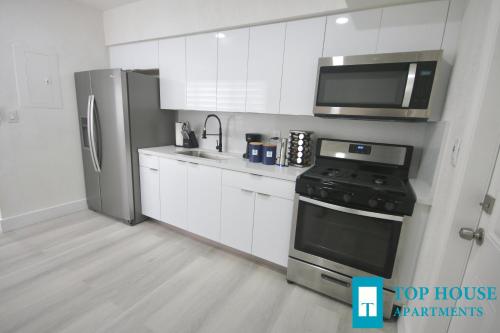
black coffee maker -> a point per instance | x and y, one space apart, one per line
251 137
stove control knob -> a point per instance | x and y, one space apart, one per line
309 190
347 197
373 202
389 205
323 193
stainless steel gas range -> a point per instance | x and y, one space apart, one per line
348 217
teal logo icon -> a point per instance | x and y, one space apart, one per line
367 302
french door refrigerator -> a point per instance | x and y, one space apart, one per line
119 112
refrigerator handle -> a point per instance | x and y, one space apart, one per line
90 126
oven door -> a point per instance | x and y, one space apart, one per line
349 241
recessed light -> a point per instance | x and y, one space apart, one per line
342 20
220 35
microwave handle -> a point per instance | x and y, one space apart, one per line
410 82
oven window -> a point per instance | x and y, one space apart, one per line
379 85
361 242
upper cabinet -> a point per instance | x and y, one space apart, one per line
172 61
232 70
142 55
303 47
412 27
201 72
265 64
352 33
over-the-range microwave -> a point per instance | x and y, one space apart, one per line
399 86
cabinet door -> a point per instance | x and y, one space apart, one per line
265 65
232 70
303 47
272 226
173 192
201 72
172 63
150 192
142 55
204 198
352 33
412 27
237 218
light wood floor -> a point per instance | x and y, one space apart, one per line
88 273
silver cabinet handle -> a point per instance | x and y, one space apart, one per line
410 82
93 149
245 190
153 169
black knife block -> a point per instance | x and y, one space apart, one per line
191 141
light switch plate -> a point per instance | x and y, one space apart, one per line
13 116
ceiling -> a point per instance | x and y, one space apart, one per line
103 4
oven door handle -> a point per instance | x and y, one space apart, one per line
351 210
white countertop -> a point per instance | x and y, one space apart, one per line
235 162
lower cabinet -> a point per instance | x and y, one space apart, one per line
237 218
173 192
271 228
204 200
150 192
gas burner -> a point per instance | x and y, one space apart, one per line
331 172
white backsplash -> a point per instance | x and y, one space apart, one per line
235 125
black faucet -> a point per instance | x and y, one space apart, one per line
204 135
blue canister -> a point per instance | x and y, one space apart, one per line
269 154
255 152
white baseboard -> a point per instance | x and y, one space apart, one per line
35 216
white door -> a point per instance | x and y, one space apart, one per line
483 268
201 72
232 70
413 27
272 226
150 192
204 195
265 64
303 47
352 33
172 63
173 192
237 218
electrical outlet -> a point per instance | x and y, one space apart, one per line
13 116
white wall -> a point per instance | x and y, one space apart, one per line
40 159
235 125
149 19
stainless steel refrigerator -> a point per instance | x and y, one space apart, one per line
119 112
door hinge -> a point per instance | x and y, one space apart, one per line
488 204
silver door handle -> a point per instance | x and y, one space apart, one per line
90 134
93 150
410 82
470 234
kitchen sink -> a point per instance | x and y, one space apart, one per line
203 154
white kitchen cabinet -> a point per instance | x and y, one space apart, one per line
173 192
303 47
272 226
237 218
265 65
412 27
172 64
141 55
201 72
232 70
150 191
352 33
204 199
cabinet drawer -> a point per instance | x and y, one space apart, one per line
261 184
149 161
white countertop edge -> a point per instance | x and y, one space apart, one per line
235 163
422 191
